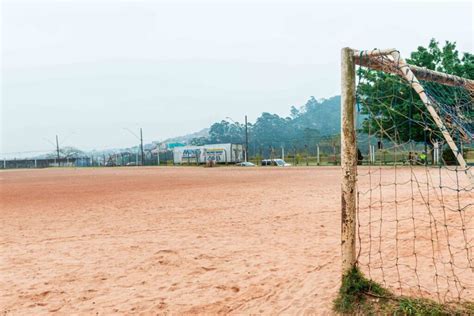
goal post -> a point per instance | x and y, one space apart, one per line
348 160
418 214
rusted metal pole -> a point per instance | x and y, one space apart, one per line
348 160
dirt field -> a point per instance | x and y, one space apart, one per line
180 240
169 240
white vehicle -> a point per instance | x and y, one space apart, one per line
245 164
218 153
275 162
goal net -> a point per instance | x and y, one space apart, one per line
414 198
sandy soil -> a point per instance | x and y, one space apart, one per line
169 240
180 240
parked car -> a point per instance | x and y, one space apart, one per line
245 164
275 162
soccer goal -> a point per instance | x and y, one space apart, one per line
407 186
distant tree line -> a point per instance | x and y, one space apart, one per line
316 121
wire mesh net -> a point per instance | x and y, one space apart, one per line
415 201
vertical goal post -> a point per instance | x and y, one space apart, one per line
348 160
391 62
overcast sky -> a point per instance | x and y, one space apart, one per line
88 69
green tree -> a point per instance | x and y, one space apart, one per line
306 125
226 132
393 110
445 59
199 141
294 112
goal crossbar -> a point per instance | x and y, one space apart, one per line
367 59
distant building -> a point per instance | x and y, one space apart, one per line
220 153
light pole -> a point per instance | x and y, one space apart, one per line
140 138
246 140
141 145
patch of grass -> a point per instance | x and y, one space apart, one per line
354 292
360 296
417 307
408 306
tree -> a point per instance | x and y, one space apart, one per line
271 130
394 111
445 59
199 141
225 132
308 125
323 115
294 112
66 152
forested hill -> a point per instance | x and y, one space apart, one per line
324 115
306 125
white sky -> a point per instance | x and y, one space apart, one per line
88 69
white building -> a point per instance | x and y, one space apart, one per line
220 153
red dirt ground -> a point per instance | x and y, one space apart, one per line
170 240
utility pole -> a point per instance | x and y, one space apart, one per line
294 156
246 140
317 154
57 150
306 154
141 145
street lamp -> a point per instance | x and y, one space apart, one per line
246 136
140 138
